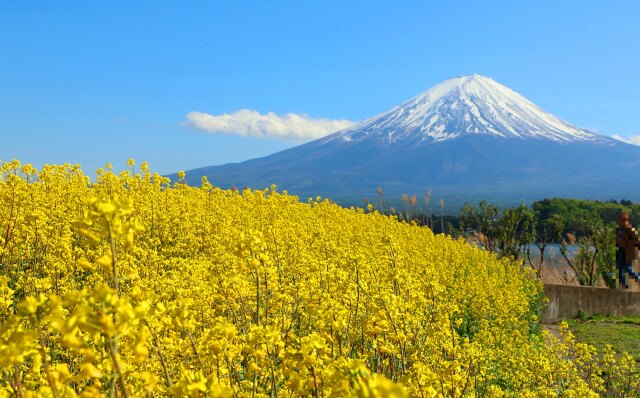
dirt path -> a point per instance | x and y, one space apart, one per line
552 328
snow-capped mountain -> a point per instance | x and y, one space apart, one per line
466 105
466 138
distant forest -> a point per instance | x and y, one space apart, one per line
574 213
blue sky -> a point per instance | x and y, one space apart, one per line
97 82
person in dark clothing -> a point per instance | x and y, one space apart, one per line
627 242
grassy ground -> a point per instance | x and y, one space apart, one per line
623 334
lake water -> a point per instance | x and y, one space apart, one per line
552 255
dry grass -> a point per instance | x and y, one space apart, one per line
559 273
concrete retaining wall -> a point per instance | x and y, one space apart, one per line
565 302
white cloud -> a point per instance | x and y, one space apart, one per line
250 123
633 139
619 137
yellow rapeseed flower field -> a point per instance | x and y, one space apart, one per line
132 286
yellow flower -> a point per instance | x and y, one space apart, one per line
131 284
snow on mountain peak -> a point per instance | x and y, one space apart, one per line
464 105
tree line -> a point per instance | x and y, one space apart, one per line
583 229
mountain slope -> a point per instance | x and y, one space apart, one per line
467 137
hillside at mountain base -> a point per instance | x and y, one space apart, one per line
467 138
